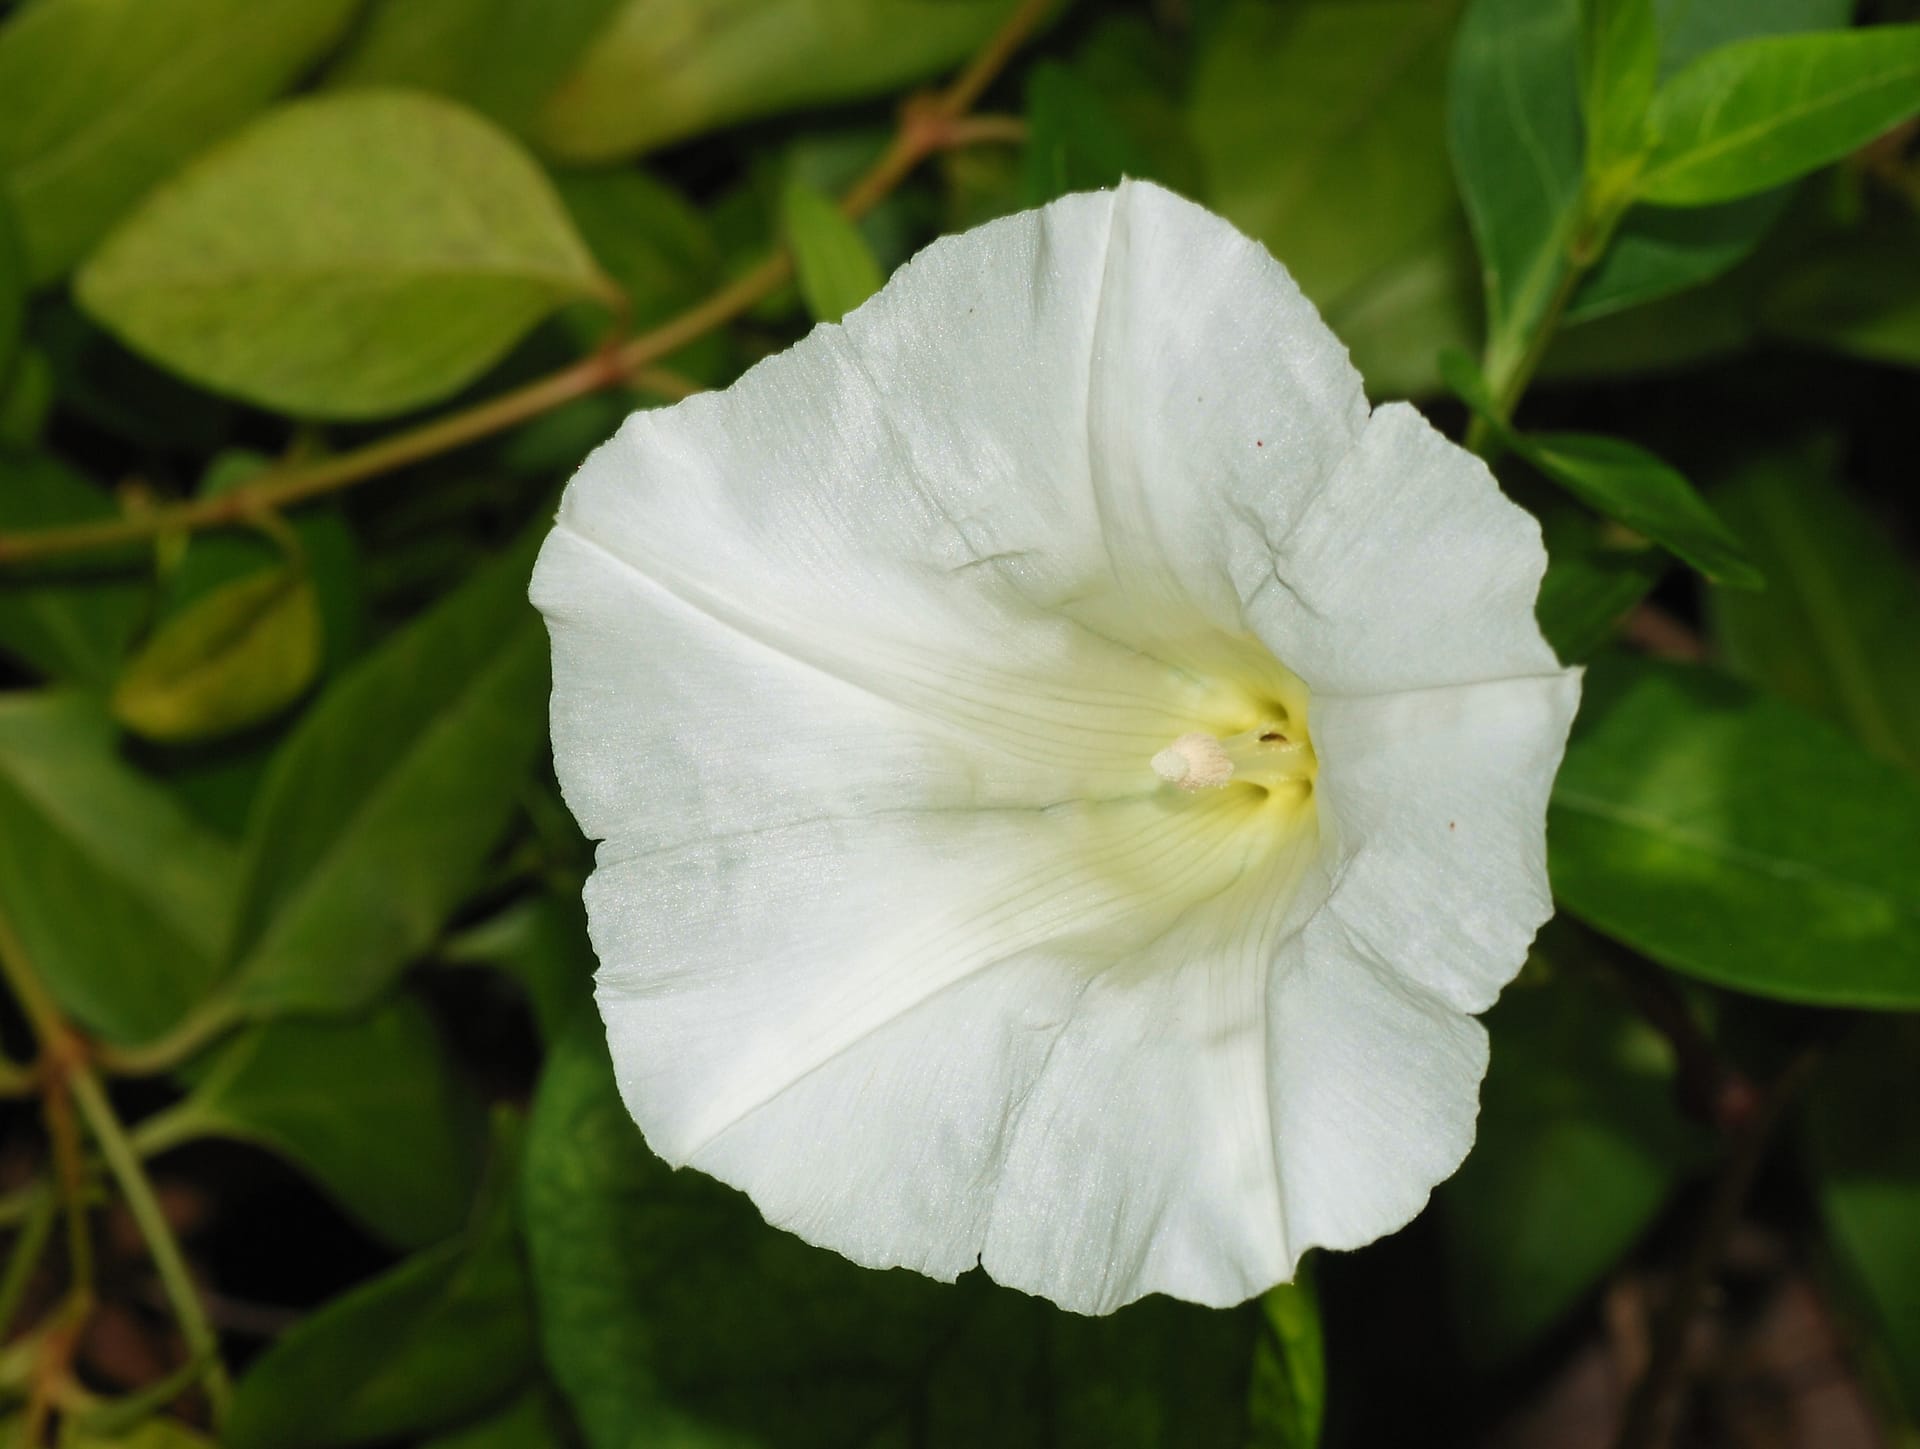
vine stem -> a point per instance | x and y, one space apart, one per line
69 1083
1644 1423
927 125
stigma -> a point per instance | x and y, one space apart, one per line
1267 755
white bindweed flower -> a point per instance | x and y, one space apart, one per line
1067 770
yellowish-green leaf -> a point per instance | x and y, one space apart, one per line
835 266
231 659
1619 62
346 256
100 99
663 69
1749 116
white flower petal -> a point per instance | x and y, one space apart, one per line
1433 808
1411 569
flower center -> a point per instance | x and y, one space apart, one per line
1271 755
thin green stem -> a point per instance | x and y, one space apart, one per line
925 127
212 1019
35 1229
124 1164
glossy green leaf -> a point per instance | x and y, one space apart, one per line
1074 141
1619 62
1732 837
835 267
1627 483
660 70
100 99
236 657
670 1313
347 256
1834 629
1513 123
444 1336
1579 1145
1321 131
1288 1397
374 1108
118 898
1749 116
1690 29
1862 1142
501 57
382 807
69 620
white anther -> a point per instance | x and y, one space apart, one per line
1194 762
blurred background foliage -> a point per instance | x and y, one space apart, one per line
310 1135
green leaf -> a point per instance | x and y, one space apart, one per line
836 269
1627 483
1860 297
1862 1142
660 70
1657 252
1834 630
1749 116
1288 1397
656 245
1619 62
442 1337
118 898
100 99
542 944
374 1108
26 400
1690 28
381 808
346 256
13 289
1074 142
1596 572
150 1434
1578 1147
1732 837
69 621
534 1420
1321 131
1617 480
501 57
1514 126
671 1314
238 656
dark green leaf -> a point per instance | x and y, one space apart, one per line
1596 572
1860 297
118 898
1074 142
1862 1142
1619 62
1732 837
1514 126
346 256
1658 251
1752 115
671 1314
501 57
374 1108
1629 484
1579 1144
13 289
99 99
382 807
663 69
1691 28
70 620
1288 1398
1834 629
535 1420
443 1336
541 943
235 657
1321 131
26 399
836 269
